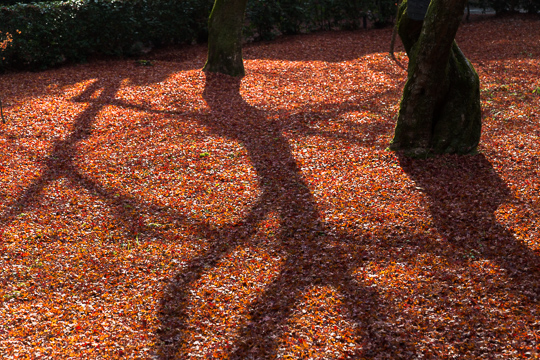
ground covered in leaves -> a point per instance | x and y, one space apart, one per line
148 210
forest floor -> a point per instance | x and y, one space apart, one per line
153 212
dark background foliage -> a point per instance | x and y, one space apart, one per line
50 33
53 33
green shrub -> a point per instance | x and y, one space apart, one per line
267 18
13 2
262 15
51 33
503 6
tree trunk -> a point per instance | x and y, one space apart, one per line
225 37
440 108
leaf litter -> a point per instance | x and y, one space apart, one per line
160 212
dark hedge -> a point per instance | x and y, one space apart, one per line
50 33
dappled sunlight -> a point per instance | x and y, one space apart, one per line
319 328
161 212
432 294
220 301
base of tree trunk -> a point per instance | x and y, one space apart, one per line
440 108
225 38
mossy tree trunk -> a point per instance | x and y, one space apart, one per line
440 108
225 37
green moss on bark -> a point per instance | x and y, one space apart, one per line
458 126
225 38
440 108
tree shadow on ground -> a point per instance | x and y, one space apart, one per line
302 232
61 160
16 89
284 192
303 240
464 193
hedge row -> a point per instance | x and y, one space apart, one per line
50 33
504 6
267 18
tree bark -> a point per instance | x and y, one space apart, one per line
225 38
440 108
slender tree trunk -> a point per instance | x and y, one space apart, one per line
394 33
225 37
440 108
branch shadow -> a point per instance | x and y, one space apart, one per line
16 88
303 239
59 163
302 232
102 92
61 160
465 193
